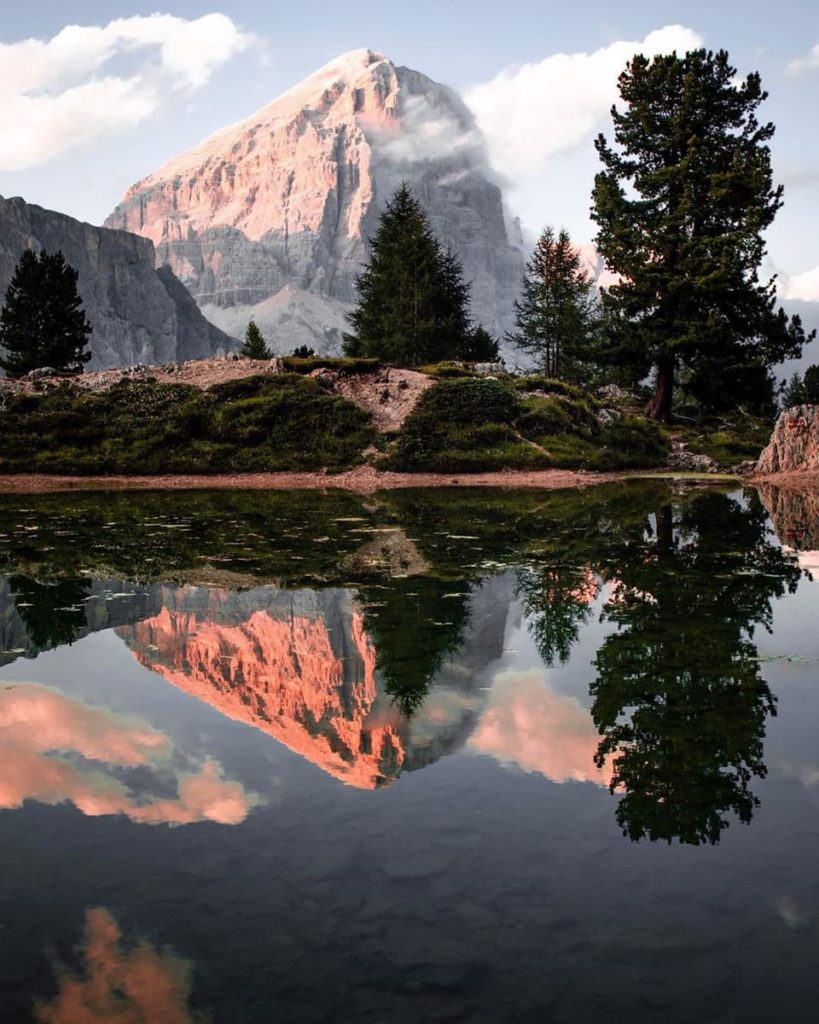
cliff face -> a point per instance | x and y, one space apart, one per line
138 314
794 444
299 666
270 217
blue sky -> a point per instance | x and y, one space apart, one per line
462 44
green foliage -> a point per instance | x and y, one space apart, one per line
480 347
257 424
810 381
681 205
254 346
478 424
304 352
802 390
42 322
306 364
556 316
413 305
446 369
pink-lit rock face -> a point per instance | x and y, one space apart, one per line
270 217
42 731
285 670
530 725
120 985
794 444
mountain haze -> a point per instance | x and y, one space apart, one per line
270 217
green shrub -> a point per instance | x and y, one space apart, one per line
264 424
303 366
440 370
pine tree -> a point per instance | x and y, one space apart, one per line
794 393
810 382
556 313
480 346
42 322
254 346
681 206
413 304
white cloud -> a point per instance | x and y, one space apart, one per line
804 286
57 93
810 62
532 112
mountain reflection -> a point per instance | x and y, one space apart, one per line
369 638
302 666
55 749
119 984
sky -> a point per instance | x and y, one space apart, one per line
94 95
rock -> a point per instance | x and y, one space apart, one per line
794 444
41 372
139 314
794 514
270 218
613 393
605 417
689 462
488 369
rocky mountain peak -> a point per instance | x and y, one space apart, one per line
270 217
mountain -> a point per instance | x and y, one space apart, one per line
140 314
270 217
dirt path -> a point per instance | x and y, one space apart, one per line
364 480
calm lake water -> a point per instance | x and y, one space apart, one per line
422 756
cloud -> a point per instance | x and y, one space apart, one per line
120 985
56 749
529 724
423 133
58 93
806 64
804 286
534 111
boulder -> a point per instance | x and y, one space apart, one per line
794 444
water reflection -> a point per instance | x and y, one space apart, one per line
394 654
679 697
55 749
119 983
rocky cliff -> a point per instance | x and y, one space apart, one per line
270 217
139 314
794 444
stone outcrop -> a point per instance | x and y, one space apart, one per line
139 314
270 217
794 444
794 514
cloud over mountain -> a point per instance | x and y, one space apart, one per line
61 92
530 112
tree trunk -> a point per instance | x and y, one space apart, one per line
659 408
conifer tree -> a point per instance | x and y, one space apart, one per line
254 346
413 304
681 205
810 382
556 313
43 322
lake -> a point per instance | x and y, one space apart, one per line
421 756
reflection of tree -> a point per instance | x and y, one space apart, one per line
53 613
414 623
679 699
556 602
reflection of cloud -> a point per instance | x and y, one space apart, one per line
47 740
792 914
529 724
140 985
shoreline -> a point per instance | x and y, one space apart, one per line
362 480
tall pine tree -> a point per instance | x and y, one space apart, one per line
42 322
681 205
413 304
556 315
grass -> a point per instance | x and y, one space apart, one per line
257 424
479 424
